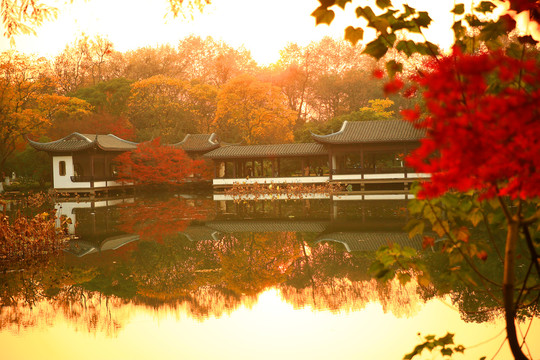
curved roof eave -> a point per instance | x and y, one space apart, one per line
373 131
320 137
56 146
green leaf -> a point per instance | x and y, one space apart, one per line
393 67
423 20
473 21
408 47
476 217
455 258
353 35
417 229
376 267
492 30
459 29
323 16
383 274
387 260
408 252
383 4
446 351
459 9
403 24
427 48
404 278
485 7
417 350
376 48
448 339
409 10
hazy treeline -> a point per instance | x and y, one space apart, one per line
199 86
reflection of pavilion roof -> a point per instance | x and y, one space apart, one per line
81 248
370 241
274 150
198 142
201 233
371 132
268 226
80 142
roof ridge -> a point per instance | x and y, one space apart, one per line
123 140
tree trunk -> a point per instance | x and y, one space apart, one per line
509 286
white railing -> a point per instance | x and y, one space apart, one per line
273 180
317 179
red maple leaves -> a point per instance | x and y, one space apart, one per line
153 163
482 123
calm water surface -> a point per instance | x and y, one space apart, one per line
187 277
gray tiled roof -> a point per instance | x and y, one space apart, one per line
198 142
371 241
275 150
372 131
80 142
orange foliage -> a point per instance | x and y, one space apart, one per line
254 112
100 123
24 242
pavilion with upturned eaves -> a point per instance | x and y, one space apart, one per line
363 154
84 162
196 145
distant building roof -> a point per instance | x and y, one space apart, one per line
198 142
275 150
80 142
372 132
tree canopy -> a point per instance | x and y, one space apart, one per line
479 107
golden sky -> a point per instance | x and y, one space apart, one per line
263 27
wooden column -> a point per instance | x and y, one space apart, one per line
330 164
403 161
92 170
362 161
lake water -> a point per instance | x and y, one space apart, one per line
190 277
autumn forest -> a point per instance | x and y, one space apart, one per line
200 86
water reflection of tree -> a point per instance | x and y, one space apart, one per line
214 277
332 279
154 219
37 296
256 261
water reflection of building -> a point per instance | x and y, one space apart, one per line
355 225
94 225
